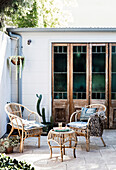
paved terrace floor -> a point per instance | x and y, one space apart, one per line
99 157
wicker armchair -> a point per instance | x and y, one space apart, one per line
94 125
26 127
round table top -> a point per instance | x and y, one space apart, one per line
52 131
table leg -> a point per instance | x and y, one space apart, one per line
64 150
70 143
87 144
75 147
50 149
38 141
61 154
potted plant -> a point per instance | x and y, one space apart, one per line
49 125
19 62
7 144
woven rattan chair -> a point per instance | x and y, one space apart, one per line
29 127
94 125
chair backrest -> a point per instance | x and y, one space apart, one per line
13 108
100 107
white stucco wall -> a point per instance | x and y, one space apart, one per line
5 83
14 82
37 70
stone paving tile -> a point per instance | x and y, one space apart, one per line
114 146
99 157
107 154
111 167
110 160
92 166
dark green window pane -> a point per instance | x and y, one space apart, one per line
94 49
98 82
55 49
57 95
103 49
64 95
98 62
93 95
83 49
98 95
60 82
102 95
113 82
98 49
74 96
60 62
79 96
113 96
60 95
114 62
79 62
60 49
74 48
113 49
79 82
79 48
84 95
64 49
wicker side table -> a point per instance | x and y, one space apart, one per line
62 138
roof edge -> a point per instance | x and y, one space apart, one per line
86 29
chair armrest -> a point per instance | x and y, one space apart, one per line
76 114
16 121
35 116
32 113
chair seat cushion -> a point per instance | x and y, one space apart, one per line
28 124
86 112
78 124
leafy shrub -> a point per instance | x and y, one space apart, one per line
6 163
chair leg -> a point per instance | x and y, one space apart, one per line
11 132
103 142
21 143
39 141
87 141
87 145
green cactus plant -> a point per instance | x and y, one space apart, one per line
38 104
38 108
51 120
43 115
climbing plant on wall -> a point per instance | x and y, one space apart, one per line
19 62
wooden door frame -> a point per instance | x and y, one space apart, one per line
61 100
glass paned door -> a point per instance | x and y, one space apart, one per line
60 85
99 74
112 86
80 74
60 72
80 77
113 73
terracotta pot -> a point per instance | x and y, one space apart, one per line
18 62
9 150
